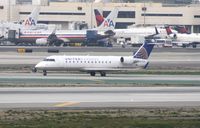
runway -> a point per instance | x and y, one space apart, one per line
99 97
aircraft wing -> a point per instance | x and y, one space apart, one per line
64 39
100 69
109 69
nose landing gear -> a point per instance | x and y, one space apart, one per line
34 70
44 72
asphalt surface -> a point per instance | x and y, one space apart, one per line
70 79
94 49
98 97
158 60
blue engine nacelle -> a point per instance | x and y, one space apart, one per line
91 34
91 37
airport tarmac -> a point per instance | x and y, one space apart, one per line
92 97
158 60
98 97
95 49
84 79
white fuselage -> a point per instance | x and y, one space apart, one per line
90 63
186 37
138 31
69 35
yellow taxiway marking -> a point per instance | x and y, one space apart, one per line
65 104
97 80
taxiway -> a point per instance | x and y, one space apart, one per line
97 97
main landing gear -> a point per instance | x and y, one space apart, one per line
34 70
44 72
92 73
101 73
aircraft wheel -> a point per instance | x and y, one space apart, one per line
184 46
194 45
92 73
34 70
44 72
103 73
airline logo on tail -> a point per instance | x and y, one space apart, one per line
99 17
144 51
107 22
29 22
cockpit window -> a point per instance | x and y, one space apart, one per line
47 59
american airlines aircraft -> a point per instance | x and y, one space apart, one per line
40 37
93 64
29 23
137 34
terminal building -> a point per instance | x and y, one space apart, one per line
79 14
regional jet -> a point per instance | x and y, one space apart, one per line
94 64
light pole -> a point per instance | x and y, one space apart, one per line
9 11
91 15
144 13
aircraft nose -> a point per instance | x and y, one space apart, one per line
40 65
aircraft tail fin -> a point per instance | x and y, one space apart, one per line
108 22
181 29
31 20
168 30
145 50
99 17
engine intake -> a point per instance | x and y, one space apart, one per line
126 60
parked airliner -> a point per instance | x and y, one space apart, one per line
40 37
29 23
135 35
93 64
184 39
